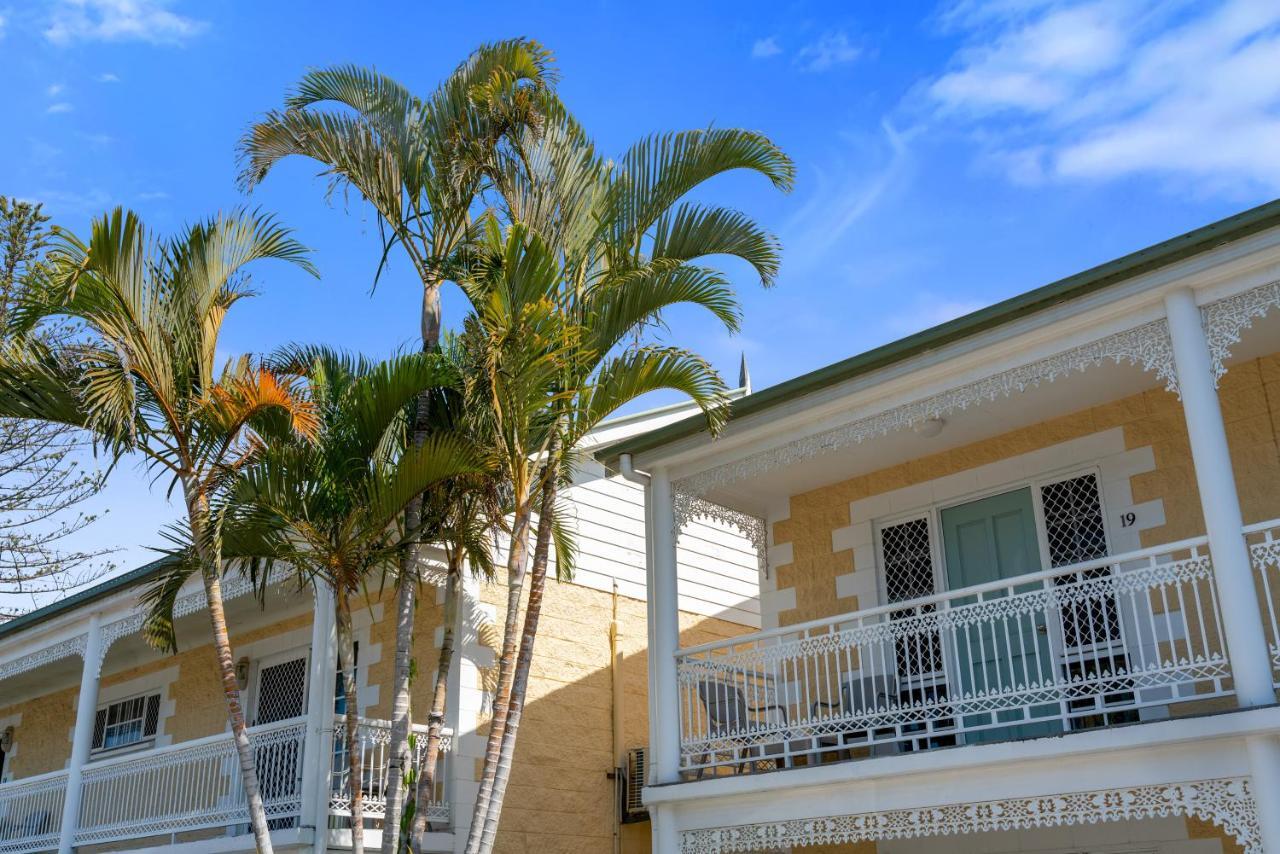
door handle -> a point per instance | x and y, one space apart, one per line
1042 629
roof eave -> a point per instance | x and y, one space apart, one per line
1072 287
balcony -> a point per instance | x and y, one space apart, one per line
192 790
1127 638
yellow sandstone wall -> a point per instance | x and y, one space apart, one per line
43 736
426 655
1250 394
559 800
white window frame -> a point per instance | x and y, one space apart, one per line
933 513
271 660
144 742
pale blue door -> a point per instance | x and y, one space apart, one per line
989 540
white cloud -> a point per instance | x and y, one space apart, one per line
4 21
153 196
59 107
832 49
1106 89
63 202
928 310
840 198
108 77
54 90
119 20
765 48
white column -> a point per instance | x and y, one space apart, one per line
666 838
317 751
467 706
664 633
1264 771
1232 572
82 735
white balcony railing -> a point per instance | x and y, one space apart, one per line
1264 549
375 738
191 786
31 813
1081 646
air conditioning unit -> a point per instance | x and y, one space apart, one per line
633 778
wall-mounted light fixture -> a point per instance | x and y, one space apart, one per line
929 427
6 739
242 672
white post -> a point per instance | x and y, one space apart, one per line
82 737
317 750
1232 571
1264 771
664 632
666 838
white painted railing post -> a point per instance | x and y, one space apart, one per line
664 631
82 735
317 751
1232 572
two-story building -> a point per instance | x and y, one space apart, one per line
1022 579
108 745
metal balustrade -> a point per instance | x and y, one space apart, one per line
1264 550
374 740
191 786
31 813
1086 645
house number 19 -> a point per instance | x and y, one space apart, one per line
1127 520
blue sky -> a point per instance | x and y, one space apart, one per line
949 155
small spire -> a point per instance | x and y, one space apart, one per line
744 375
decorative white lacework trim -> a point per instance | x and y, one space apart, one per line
1225 802
41 657
688 506
1147 345
1226 319
132 624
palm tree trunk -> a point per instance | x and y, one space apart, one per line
516 565
355 769
210 573
435 720
406 605
537 584
401 712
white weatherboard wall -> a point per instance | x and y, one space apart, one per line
718 567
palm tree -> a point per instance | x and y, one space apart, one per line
143 379
418 163
462 516
624 247
332 508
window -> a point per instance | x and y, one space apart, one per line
126 722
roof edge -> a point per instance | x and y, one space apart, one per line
84 597
1154 257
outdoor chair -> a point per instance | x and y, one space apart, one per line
729 715
859 698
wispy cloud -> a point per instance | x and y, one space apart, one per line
66 202
4 21
54 90
59 107
120 20
1099 90
928 310
152 196
108 77
765 48
832 48
840 198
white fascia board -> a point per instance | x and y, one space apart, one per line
1224 271
1137 754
